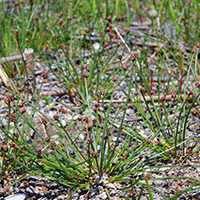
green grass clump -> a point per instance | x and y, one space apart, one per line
98 47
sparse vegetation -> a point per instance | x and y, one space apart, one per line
113 97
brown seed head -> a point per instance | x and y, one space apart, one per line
87 30
4 148
114 79
47 139
134 56
78 104
17 32
54 37
44 74
79 118
23 148
85 73
12 117
157 51
56 117
22 104
60 14
38 151
197 84
52 145
12 144
194 50
127 31
119 57
9 97
101 91
27 32
90 141
95 154
44 120
6 101
23 110
109 18
60 21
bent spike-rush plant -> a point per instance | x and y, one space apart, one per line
69 158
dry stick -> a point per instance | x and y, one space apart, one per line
7 81
147 98
29 59
10 58
58 92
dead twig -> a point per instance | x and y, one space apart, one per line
148 99
58 92
10 59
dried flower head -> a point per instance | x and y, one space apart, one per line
90 141
23 110
9 97
114 79
85 73
52 145
79 118
56 117
87 30
119 57
101 91
4 148
47 139
109 18
134 56
44 120
157 51
44 74
194 50
22 104
12 144
95 154
6 101
12 117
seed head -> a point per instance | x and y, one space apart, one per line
44 74
9 97
109 18
119 57
60 21
23 110
194 50
90 141
95 154
87 30
157 51
79 118
12 117
44 120
12 144
134 56
56 117
85 73
17 32
127 30
38 151
114 79
54 37
60 14
52 145
102 92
